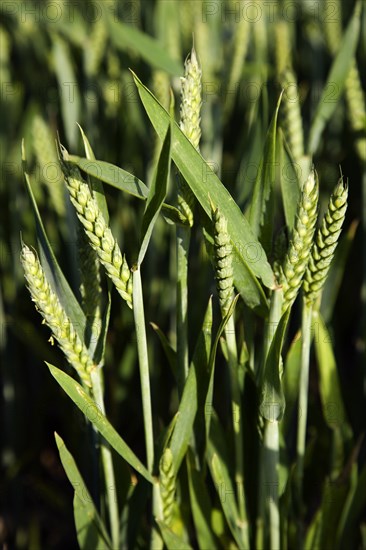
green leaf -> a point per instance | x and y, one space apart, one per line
169 351
95 184
205 185
312 539
126 37
124 181
68 90
261 209
112 175
336 80
218 460
197 393
90 530
211 366
52 269
334 498
201 507
203 369
156 196
353 512
194 392
172 541
272 401
290 185
329 386
91 411
291 380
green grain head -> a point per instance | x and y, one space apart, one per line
47 303
297 257
325 243
167 484
99 234
190 124
223 261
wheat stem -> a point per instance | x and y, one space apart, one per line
140 327
303 406
110 483
268 477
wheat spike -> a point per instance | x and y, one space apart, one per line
99 234
223 260
167 484
283 48
297 257
54 315
190 124
325 243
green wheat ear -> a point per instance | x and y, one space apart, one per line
167 484
325 243
48 304
99 234
223 260
297 257
283 49
190 123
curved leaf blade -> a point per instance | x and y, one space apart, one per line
91 411
126 37
124 181
206 185
112 175
172 541
156 196
272 400
261 209
89 527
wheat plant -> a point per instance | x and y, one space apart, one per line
218 410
